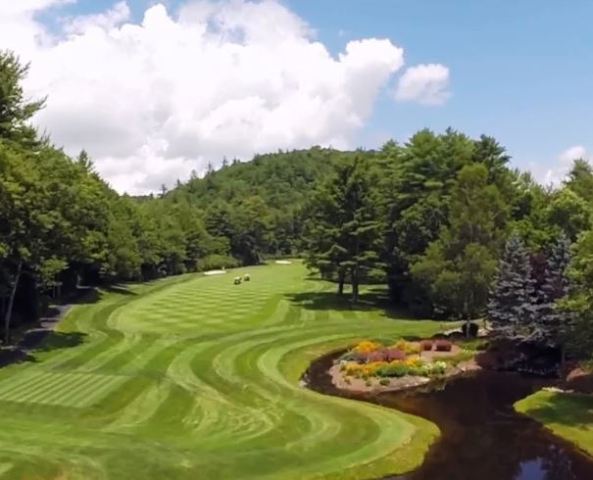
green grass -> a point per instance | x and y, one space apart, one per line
196 378
567 415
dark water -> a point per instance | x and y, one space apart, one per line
482 437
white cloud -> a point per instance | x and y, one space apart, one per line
154 99
107 20
555 176
568 156
425 84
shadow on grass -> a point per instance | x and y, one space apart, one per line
569 410
44 340
118 288
13 356
60 340
369 300
91 294
80 296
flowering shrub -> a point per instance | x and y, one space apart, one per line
439 367
414 361
436 368
392 353
371 359
443 346
408 348
367 346
375 356
363 370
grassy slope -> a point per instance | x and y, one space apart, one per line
569 416
196 378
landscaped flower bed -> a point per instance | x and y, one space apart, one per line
372 359
398 365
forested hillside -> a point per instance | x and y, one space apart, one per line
430 218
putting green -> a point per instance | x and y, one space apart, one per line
196 378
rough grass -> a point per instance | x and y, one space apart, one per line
567 415
197 378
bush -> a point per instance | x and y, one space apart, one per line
384 382
426 345
366 347
215 262
443 346
438 368
473 329
393 370
408 348
350 356
371 357
391 354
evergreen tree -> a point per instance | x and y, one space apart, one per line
15 110
343 235
579 303
511 305
580 180
457 269
551 322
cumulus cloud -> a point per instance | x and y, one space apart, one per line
425 84
555 176
154 99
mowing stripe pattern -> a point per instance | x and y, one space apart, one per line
197 378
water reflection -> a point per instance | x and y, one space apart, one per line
482 436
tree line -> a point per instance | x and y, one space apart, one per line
455 232
432 219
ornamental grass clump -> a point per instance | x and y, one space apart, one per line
393 369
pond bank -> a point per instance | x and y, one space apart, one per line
482 436
567 414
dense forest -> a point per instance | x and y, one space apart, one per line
443 220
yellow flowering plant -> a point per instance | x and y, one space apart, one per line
367 346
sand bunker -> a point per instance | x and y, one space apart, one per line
214 272
283 262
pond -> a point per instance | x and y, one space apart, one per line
482 437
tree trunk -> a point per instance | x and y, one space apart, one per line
8 314
341 277
355 285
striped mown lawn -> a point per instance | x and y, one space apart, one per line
197 378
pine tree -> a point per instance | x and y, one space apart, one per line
342 236
457 269
510 308
15 109
552 323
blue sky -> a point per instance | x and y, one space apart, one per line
521 70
